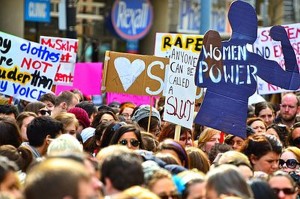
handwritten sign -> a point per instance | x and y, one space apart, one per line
191 43
65 71
180 87
27 69
134 74
271 50
229 70
87 78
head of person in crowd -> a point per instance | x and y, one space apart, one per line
21 156
265 111
161 184
70 177
283 185
9 110
78 94
9 132
220 181
263 152
9 182
176 149
128 135
294 135
120 170
234 141
126 109
168 131
238 159
82 117
250 111
87 136
135 192
261 189
198 159
64 102
89 107
280 131
150 142
70 123
49 100
194 184
216 151
39 108
208 138
257 124
115 106
40 132
141 115
104 116
168 158
289 108
96 139
108 133
290 159
23 120
65 143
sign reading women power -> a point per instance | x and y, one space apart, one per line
133 74
180 87
271 50
27 69
229 70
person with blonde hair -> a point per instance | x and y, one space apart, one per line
198 159
238 159
64 143
290 159
70 123
208 138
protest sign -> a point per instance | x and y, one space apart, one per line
65 72
180 87
271 50
87 78
229 71
27 69
133 74
191 43
123 97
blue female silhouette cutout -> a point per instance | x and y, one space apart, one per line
228 70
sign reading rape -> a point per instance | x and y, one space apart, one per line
68 47
270 49
134 74
228 69
180 87
27 69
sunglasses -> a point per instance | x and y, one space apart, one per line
286 191
290 163
133 142
44 112
173 196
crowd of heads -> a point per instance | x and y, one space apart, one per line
64 146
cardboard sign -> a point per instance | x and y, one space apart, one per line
191 43
180 87
134 74
27 69
229 70
271 50
65 72
87 78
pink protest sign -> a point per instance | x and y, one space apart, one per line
123 97
87 78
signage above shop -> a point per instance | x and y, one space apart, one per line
37 10
132 20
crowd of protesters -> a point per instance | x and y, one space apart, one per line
65 147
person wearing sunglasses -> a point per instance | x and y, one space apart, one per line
294 135
290 159
128 135
283 185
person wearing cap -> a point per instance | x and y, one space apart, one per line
82 117
141 116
